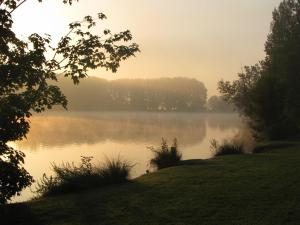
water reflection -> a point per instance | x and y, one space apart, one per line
65 137
91 128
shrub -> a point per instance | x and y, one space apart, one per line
115 171
164 156
71 178
226 148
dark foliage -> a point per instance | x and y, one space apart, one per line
13 177
27 81
226 148
264 147
115 171
71 178
164 156
269 92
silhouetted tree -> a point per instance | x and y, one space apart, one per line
26 72
269 92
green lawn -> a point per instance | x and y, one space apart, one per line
258 189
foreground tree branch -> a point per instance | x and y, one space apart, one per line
27 76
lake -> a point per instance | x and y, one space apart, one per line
65 137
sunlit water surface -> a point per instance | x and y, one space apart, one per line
65 137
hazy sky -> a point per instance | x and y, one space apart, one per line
204 39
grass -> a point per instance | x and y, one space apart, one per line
257 189
69 177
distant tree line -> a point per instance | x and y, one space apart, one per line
163 94
218 104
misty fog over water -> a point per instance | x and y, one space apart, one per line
65 137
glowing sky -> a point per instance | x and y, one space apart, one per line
204 39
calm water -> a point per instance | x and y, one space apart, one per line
64 137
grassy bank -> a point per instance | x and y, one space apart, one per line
258 189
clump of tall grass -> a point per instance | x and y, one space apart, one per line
115 171
71 178
165 156
232 147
